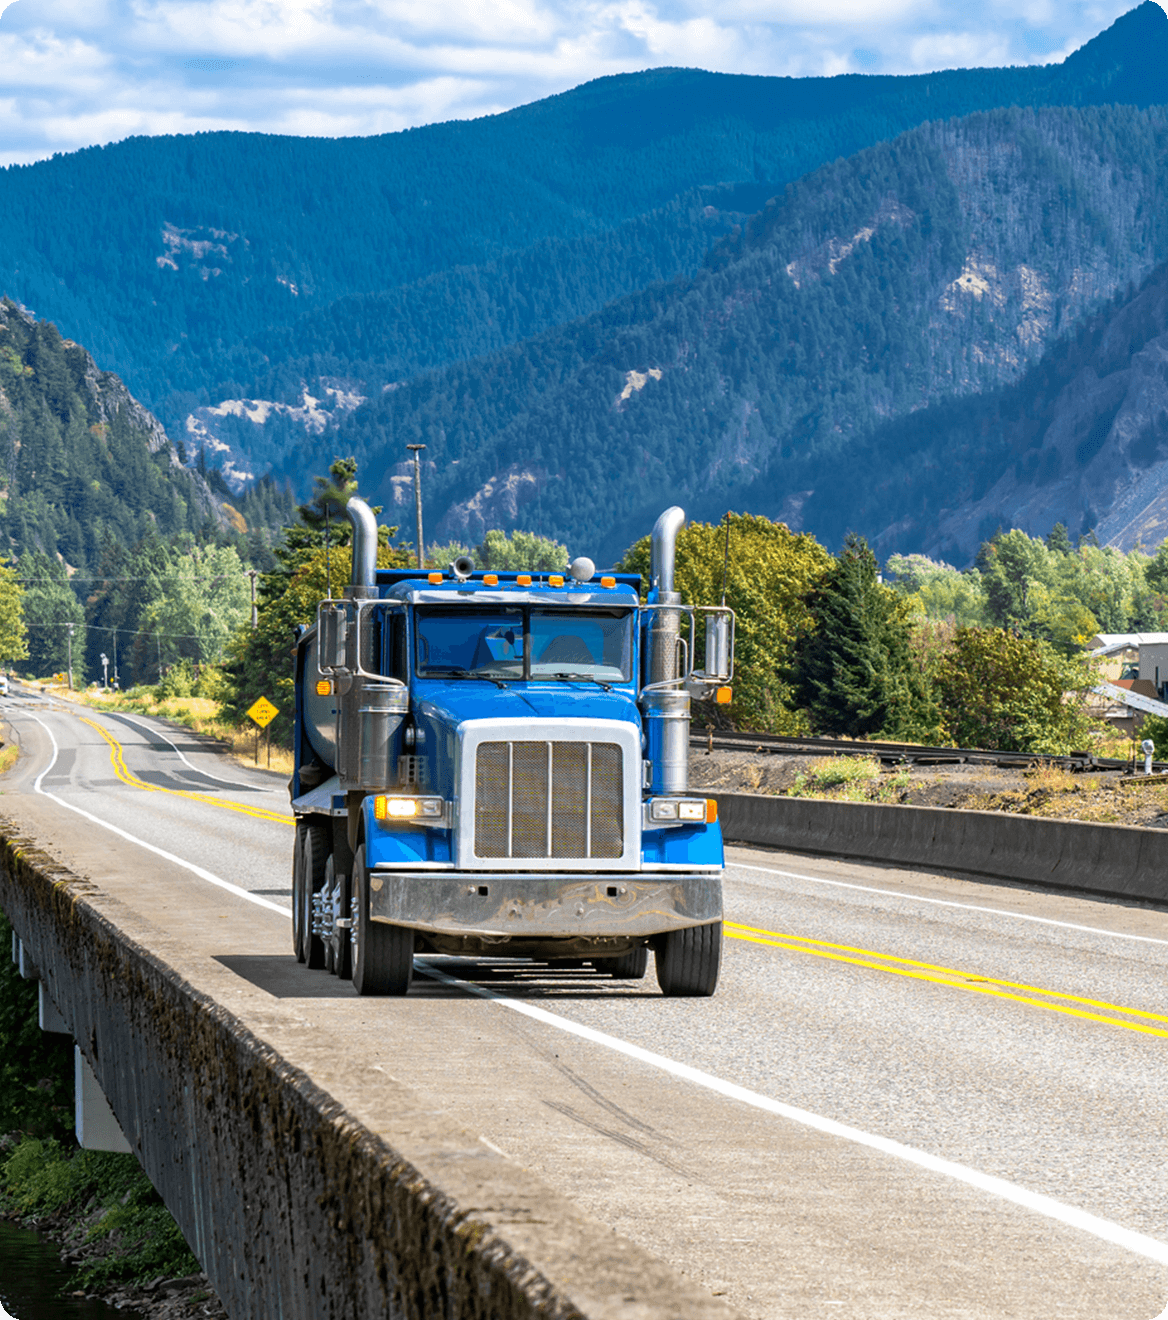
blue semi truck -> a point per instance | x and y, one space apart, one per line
496 765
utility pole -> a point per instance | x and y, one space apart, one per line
417 452
69 644
115 633
255 618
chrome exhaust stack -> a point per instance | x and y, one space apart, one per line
363 582
665 704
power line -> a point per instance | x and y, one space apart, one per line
132 632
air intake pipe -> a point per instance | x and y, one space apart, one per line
664 702
364 580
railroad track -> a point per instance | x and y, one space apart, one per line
890 753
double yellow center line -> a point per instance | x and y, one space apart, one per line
127 776
1052 1000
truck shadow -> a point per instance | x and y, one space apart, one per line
282 977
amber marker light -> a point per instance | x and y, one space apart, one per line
711 811
323 687
434 577
524 579
555 580
608 582
724 696
490 579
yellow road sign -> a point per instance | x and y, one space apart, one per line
262 713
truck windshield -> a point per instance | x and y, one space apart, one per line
529 642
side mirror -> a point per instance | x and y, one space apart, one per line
719 657
333 631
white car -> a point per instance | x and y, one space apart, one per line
3 685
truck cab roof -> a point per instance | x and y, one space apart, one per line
418 588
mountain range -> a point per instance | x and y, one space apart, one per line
787 295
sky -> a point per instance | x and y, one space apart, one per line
77 73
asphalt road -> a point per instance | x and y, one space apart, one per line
913 1095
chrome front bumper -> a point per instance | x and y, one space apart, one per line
543 906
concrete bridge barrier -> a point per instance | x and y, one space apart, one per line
1103 859
295 1208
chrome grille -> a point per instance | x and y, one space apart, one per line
549 800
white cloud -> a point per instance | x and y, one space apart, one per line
78 72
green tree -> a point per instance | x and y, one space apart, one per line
768 575
854 671
1156 572
259 662
50 606
1012 564
13 633
521 550
193 612
1014 694
941 591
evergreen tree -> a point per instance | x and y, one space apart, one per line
853 670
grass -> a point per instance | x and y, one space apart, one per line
850 779
107 1204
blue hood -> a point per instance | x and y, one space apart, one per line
472 699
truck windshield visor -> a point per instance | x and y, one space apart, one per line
527 642
466 641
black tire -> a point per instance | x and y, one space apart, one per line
383 956
344 951
317 846
298 887
630 966
688 961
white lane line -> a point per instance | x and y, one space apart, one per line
148 729
1138 1243
210 878
944 902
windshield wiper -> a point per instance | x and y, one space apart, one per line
471 673
583 678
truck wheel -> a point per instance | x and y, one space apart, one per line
383 956
317 846
688 961
629 966
298 891
342 943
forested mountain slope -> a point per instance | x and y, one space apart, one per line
209 268
943 263
1081 439
83 465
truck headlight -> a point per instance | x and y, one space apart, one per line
425 810
682 811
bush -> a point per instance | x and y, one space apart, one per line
135 1240
1012 694
1156 728
178 681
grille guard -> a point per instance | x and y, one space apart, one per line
473 733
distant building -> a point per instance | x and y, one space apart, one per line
1141 656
